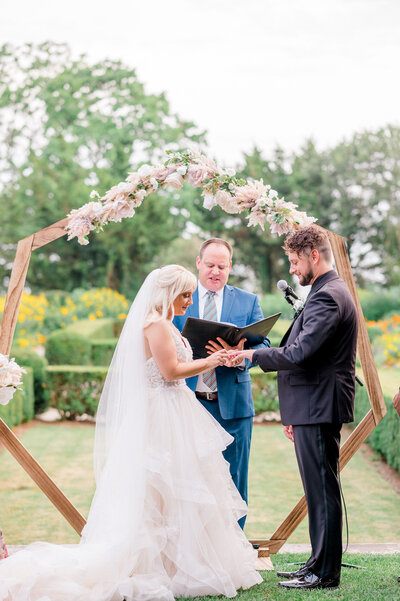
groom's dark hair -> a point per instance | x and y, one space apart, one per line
220 241
303 240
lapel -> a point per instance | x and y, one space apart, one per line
227 301
193 310
323 279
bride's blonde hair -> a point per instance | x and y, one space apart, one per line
172 281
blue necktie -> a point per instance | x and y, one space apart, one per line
210 313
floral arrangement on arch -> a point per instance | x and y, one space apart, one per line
219 187
10 378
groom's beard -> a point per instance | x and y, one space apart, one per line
306 278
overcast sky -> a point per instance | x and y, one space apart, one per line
250 72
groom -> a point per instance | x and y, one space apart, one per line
225 392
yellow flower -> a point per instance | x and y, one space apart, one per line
64 310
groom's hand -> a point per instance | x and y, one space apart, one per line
231 361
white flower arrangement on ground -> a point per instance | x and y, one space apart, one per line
219 187
10 378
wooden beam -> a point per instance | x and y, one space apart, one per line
364 346
49 234
14 293
42 479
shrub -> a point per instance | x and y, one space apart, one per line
376 305
64 347
103 350
75 390
99 328
28 358
275 303
265 390
21 407
385 438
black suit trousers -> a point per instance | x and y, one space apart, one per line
317 451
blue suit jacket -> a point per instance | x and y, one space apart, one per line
234 387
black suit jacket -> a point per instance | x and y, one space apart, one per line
316 358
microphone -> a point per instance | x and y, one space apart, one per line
286 289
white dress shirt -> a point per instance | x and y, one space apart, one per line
218 297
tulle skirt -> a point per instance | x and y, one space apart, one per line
187 543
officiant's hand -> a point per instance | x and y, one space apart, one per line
214 347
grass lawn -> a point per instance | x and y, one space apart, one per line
390 380
376 583
65 451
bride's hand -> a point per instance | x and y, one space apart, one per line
217 358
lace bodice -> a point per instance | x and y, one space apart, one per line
184 353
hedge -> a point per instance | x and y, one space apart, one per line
75 390
27 358
264 387
21 407
103 350
385 438
97 329
64 347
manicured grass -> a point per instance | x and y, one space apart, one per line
376 583
275 487
390 380
65 451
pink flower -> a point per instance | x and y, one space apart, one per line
174 180
227 202
256 218
196 174
119 209
248 195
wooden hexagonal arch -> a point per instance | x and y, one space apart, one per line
7 327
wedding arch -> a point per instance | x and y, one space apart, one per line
232 194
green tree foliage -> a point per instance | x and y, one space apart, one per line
67 126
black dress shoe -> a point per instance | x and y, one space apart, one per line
300 572
309 581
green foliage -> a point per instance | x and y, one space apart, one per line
75 390
21 407
377 304
27 358
99 328
264 387
76 126
103 350
385 438
64 347
275 303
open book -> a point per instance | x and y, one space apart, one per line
200 331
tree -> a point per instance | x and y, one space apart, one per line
67 126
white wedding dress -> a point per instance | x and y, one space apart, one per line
163 521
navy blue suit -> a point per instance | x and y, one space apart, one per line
234 409
316 374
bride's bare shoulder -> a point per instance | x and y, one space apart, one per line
161 326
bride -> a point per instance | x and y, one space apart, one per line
163 520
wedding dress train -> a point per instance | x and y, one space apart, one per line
177 535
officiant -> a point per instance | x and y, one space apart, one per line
225 392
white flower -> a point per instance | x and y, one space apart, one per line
209 201
5 378
154 183
256 218
145 170
230 172
272 194
174 180
94 194
140 195
6 394
182 169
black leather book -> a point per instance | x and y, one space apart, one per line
200 331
